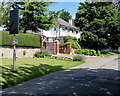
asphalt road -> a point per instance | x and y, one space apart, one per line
98 77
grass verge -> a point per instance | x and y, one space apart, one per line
108 54
29 68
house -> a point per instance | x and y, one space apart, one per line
62 30
58 33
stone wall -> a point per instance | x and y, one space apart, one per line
21 52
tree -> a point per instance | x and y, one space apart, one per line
73 41
1 10
99 23
33 15
65 15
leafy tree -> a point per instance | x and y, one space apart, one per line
1 10
73 41
99 23
33 15
65 15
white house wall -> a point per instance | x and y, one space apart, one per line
49 33
60 33
65 33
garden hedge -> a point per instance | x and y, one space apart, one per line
88 52
24 40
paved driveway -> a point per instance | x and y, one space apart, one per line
100 76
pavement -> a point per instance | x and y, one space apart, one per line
99 77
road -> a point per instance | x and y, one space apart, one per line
98 77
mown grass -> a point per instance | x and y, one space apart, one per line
29 68
108 54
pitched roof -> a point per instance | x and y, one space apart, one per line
63 22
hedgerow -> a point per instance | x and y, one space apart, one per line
24 40
88 52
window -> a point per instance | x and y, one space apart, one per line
76 32
54 29
47 39
63 28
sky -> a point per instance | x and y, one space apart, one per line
71 7
68 5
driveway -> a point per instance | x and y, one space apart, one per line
98 77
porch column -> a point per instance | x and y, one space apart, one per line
42 46
69 48
57 47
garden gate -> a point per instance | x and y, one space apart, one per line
55 48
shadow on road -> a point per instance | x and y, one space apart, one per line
76 82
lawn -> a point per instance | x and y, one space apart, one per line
108 54
29 68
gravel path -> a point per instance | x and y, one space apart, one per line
97 77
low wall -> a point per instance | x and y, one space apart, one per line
21 52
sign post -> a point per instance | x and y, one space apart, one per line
14 29
14 42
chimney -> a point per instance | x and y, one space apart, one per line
71 21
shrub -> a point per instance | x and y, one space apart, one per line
73 41
2 54
78 58
98 53
87 52
94 53
80 51
24 40
62 44
77 51
83 51
24 52
41 54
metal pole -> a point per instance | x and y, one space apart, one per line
14 55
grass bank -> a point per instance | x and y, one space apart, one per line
108 54
29 68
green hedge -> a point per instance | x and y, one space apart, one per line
88 52
24 40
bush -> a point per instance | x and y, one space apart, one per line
24 40
83 51
94 52
24 52
98 53
78 58
62 44
62 58
41 54
87 52
73 41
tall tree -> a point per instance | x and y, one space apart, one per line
33 15
99 23
65 15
